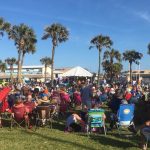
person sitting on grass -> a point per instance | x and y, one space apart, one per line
144 130
145 127
75 123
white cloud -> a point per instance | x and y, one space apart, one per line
144 15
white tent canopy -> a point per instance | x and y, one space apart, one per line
77 72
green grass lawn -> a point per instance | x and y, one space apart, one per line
57 139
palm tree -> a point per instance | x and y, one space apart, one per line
132 56
46 61
25 40
3 66
58 34
111 55
108 63
4 26
100 42
149 48
11 62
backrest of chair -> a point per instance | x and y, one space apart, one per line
95 112
43 112
126 112
55 100
19 112
96 116
30 106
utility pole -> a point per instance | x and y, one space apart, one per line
139 71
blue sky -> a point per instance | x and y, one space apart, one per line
126 22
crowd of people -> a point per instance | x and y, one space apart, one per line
82 95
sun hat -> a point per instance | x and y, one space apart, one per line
44 99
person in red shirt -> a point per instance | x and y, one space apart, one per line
128 95
29 104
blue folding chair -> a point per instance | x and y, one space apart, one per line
95 120
125 116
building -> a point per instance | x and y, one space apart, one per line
137 75
32 73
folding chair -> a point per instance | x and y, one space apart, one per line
5 114
125 116
43 116
30 106
6 118
20 116
96 120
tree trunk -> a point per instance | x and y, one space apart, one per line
111 69
99 67
131 72
52 66
11 73
45 72
19 66
111 75
22 60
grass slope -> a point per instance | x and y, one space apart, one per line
57 139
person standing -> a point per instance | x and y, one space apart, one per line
86 93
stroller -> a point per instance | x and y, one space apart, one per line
96 120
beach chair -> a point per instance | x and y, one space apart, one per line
96 120
5 112
43 116
6 118
20 116
125 116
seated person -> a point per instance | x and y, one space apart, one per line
19 111
29 104
11 99
44 101
128 94
75 123
103 96
115 103
144 128
18 103
136 95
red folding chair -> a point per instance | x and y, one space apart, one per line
29 106
20 115
5 113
